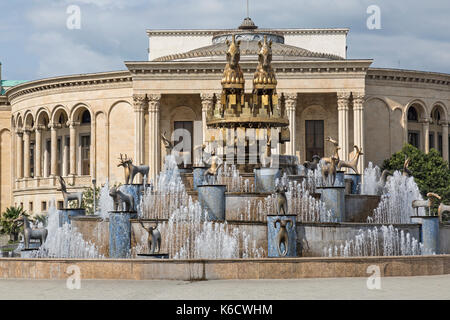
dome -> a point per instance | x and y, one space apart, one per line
249 50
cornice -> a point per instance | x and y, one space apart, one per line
189 69
211 32
408 77
70 83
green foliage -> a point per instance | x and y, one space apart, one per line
430 171
7 224
41 218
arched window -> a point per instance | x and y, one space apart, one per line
436 115
412 114
86 117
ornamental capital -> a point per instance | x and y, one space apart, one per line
290 100
154 101
140 101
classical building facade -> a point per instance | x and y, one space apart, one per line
77 126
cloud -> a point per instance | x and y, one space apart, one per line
414 32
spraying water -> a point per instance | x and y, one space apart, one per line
384 241
64 242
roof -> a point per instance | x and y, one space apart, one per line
6 84
249 48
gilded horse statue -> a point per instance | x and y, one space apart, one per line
233 75
264 74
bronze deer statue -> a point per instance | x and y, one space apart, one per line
131 170
154 238
68 196
352 164
30 233
329 171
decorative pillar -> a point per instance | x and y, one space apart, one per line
139 103
73 146
358 125
426 133
19 149
207 107
445 154
53 151
26 153
291 106
66 150
343 99
154 134
38 152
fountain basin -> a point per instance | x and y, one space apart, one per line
277 227
265 179
355 182
334 199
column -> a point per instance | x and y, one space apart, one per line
445 154
26 153
207 107
38 152
358 125
291 106
53 149
66 151
19 149
343 99
426 134
73 146
140 103
154 134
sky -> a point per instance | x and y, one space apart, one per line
36 43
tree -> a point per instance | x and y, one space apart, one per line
7 224
430 171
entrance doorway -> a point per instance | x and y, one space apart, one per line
314 138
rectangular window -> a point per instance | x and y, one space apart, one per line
60 205
32 148
431 141
30 206
314 138
414 139
85 155
59 157
44 206
49 157
440 144
186 138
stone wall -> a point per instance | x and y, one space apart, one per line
444 241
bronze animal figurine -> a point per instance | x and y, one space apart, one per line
352 164
336 150
406 172
416 204
329 171
120 198
131 170
266 157
30 233
281 200
312 165
167 143
443 209
213 170
154 238
283 236
68 196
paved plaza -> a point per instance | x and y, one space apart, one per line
436 287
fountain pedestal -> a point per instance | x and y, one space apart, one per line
199 176
339 182
280 228
429 232
334 199
212 199
355 182
66 214
120 234
265 179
